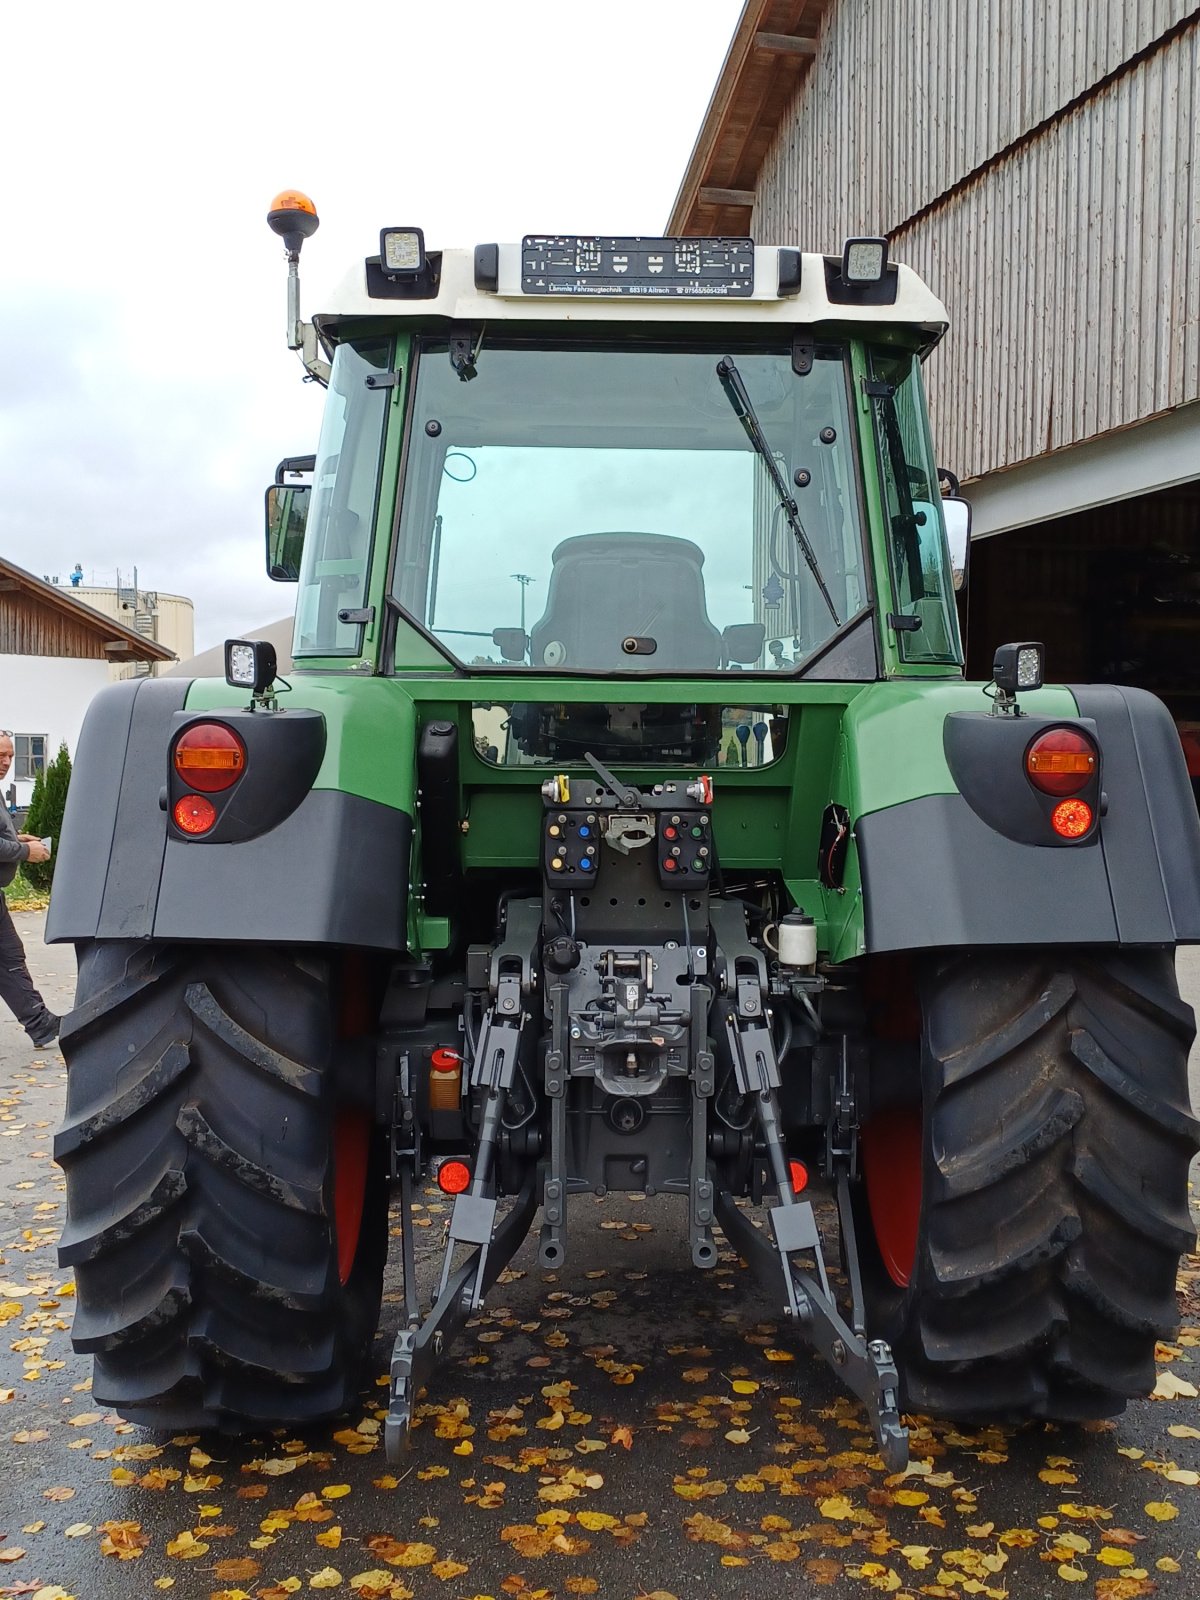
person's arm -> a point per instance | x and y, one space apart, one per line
12 848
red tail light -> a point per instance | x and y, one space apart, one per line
798 1173
1062 761
209 757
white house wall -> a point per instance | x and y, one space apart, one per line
48 695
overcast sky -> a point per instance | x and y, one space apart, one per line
146 391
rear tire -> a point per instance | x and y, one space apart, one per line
1020 1254
226 1211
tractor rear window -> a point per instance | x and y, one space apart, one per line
535 733
576 509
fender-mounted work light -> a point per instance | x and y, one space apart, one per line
1018 666
402 252
250 664
864 260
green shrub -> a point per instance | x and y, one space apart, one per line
45 815
22 896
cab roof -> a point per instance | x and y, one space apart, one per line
567 279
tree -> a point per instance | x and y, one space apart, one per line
45 815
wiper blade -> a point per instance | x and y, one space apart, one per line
735 388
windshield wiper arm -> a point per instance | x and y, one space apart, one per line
731 382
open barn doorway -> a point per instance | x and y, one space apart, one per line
1112 592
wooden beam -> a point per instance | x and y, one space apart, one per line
727 197
785 44
7 584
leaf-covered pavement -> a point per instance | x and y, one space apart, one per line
623 1427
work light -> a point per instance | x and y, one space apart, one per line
250 664
1018 666
863 260
402 252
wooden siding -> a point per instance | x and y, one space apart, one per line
29 627
1038 163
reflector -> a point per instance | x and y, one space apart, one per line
1071 818
194 814
453 1176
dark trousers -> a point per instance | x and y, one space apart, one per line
16 986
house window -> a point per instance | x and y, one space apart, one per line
29 757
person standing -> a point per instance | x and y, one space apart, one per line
16 986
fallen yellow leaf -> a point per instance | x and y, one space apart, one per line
1162 1510
1170 1387
327 1578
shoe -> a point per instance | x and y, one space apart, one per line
47 1032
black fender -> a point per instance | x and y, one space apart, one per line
938 871
332 870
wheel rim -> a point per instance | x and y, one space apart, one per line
351 1155
891 1154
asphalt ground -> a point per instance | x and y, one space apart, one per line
623 1427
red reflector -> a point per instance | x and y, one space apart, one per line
799 1176
1062 761
194 814
444 1059
209 756
453 1177
1071 818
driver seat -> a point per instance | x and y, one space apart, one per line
606 587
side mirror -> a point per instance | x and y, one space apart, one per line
956 514
287 516
512 643
743 642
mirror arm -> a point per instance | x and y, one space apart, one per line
315 366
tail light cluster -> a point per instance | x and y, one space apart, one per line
208 759
1064 765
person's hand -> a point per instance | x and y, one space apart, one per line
37 850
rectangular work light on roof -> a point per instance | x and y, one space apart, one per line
402 252
864 260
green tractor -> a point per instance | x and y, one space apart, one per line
624 825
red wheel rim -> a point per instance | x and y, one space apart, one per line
351 1153
891 1154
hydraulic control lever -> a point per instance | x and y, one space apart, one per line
628 797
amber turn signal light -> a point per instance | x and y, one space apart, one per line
1062 761
209 757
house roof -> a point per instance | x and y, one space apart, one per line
772 48
120 643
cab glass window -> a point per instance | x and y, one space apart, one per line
337 543
916 537
575 508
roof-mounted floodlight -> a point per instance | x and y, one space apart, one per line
864 260
402 252
294 218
